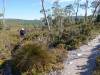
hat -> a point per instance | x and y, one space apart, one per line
22 28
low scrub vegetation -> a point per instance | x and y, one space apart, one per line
37 57
42 50
48 40
97 70
72 39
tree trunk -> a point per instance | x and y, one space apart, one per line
95 11
42 1
76 18
4 25
61 25
86 8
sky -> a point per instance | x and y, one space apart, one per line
30 9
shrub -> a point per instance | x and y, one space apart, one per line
73 38
85 29
97 70
35 56
98 62
98 18
72 44
81 38
1 25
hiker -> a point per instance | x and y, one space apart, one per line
22 34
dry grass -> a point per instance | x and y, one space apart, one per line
40 62
8 38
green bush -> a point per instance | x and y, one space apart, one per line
73 38
85 29
98 62
98 18
1 25
97 70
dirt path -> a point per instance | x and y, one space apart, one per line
82 60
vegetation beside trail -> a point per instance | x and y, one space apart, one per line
47 41
42 52
97 71
33 52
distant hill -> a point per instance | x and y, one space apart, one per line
29 22
23 22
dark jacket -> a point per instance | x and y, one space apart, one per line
22 32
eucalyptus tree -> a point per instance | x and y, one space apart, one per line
85 6
2 15
58 15
49 17
55 9
1 26
86 9
69 10
96 5
98 16
77 3
45 16
55 12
